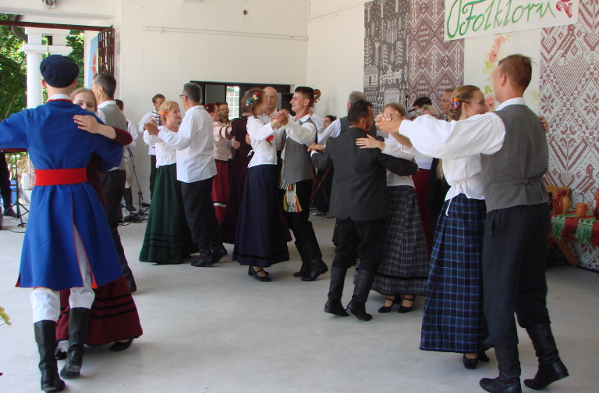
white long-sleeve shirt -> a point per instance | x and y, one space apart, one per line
194 143
140 127
459 145
265 152
165 154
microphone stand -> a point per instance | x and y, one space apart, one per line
140 213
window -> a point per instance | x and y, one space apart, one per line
232 98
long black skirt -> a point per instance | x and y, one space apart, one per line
260 237
228 227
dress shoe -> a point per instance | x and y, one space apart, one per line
404 309
470 364
386 309
204 261
118 346
257 276
482 357
10 213
333 306
317 267
219 253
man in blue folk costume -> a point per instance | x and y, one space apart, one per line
67 243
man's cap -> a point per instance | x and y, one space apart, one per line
59 71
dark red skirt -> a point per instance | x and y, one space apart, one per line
220 189
113 316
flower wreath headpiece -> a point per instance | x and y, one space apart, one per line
455 102
255 97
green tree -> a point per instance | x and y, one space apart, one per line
13 67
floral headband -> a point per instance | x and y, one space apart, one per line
255 97
455 102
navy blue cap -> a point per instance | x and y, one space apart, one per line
59 71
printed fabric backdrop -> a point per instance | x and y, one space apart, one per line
434 64
483 53
569 99
385 52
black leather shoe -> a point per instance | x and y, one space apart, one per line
482 357
546 375
333 306
10 213
404 309
470 364
257 276
219 253
358 310
118 346
204 261
317 267
498 386
60 354
303 270
386 309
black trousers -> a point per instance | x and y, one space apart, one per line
152 173
113 187
299 223
514 261
364 238
199 212
5 182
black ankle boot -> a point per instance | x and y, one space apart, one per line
219 252
317 267
206 259
128 197
508 380
551 367
45 337
357 306
333 305
78 326
303 270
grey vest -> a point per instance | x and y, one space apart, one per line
298 165
115 118
514 175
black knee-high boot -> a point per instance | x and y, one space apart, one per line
333 305
551 367
357 306
45 337
508 364
78 327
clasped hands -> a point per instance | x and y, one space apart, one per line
151 127
281 119
316 148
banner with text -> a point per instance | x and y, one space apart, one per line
475 18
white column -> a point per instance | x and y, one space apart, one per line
34 51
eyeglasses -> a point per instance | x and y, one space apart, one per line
182 95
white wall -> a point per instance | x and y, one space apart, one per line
211 40
335 52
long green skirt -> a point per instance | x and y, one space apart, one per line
167 238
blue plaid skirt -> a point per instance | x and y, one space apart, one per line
453 311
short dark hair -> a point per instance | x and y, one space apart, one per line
107 82
307 92
358 111
218 104
193 91
331 118
518 69
157 96
120 104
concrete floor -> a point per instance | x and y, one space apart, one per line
217 330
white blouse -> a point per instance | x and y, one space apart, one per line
265 152
165 154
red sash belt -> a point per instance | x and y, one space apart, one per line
55 177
